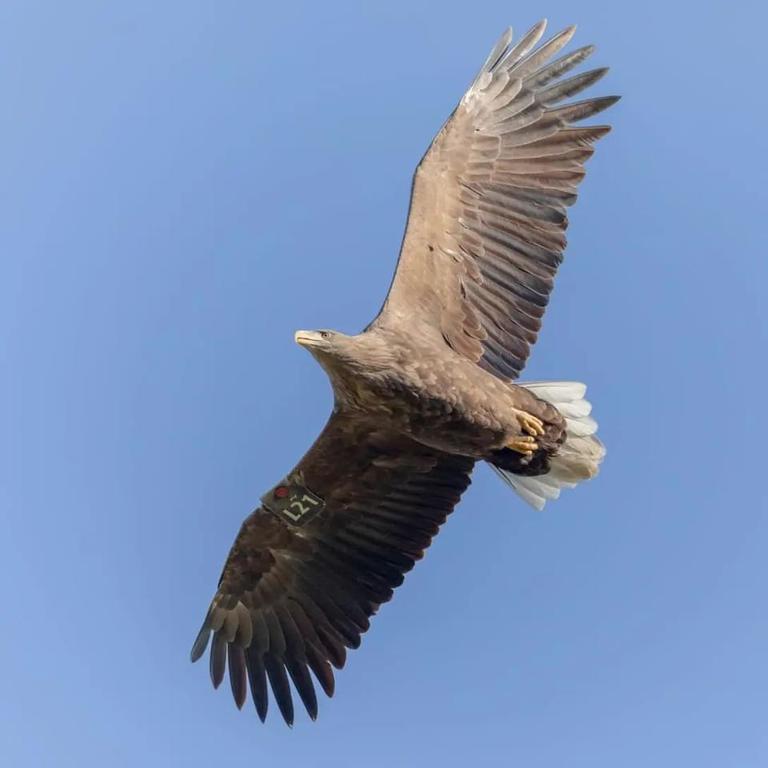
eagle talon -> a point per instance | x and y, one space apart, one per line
524 444
530 423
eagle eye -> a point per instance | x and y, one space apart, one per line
325 335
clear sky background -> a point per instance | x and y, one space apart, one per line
183 185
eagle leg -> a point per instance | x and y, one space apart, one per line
523 444
530 423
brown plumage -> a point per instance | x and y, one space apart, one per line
426 390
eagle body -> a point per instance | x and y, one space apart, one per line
428 389
422 389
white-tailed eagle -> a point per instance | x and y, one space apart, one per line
427 389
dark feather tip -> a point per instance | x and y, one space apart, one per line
278 679
258 681
218 659
201 643
238 677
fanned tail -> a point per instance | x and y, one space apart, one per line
577 459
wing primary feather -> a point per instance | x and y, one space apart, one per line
260 636
238 677
524 45
562 142
348 632
244 635
558 67
258 681
302 681
293 639
201 642
537 58
322 670
337 653
303 623
276 637
281 688
326 634
573 85
581 110
496 52
218 659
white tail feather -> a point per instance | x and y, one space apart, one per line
579 456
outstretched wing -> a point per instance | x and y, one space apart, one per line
310 567
486 227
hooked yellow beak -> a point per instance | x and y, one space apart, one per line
306 338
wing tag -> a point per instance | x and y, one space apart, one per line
293 502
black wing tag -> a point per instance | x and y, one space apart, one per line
293 502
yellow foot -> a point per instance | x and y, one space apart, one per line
530 424
524 444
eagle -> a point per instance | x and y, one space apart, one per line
428 389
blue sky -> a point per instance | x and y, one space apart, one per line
185 184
